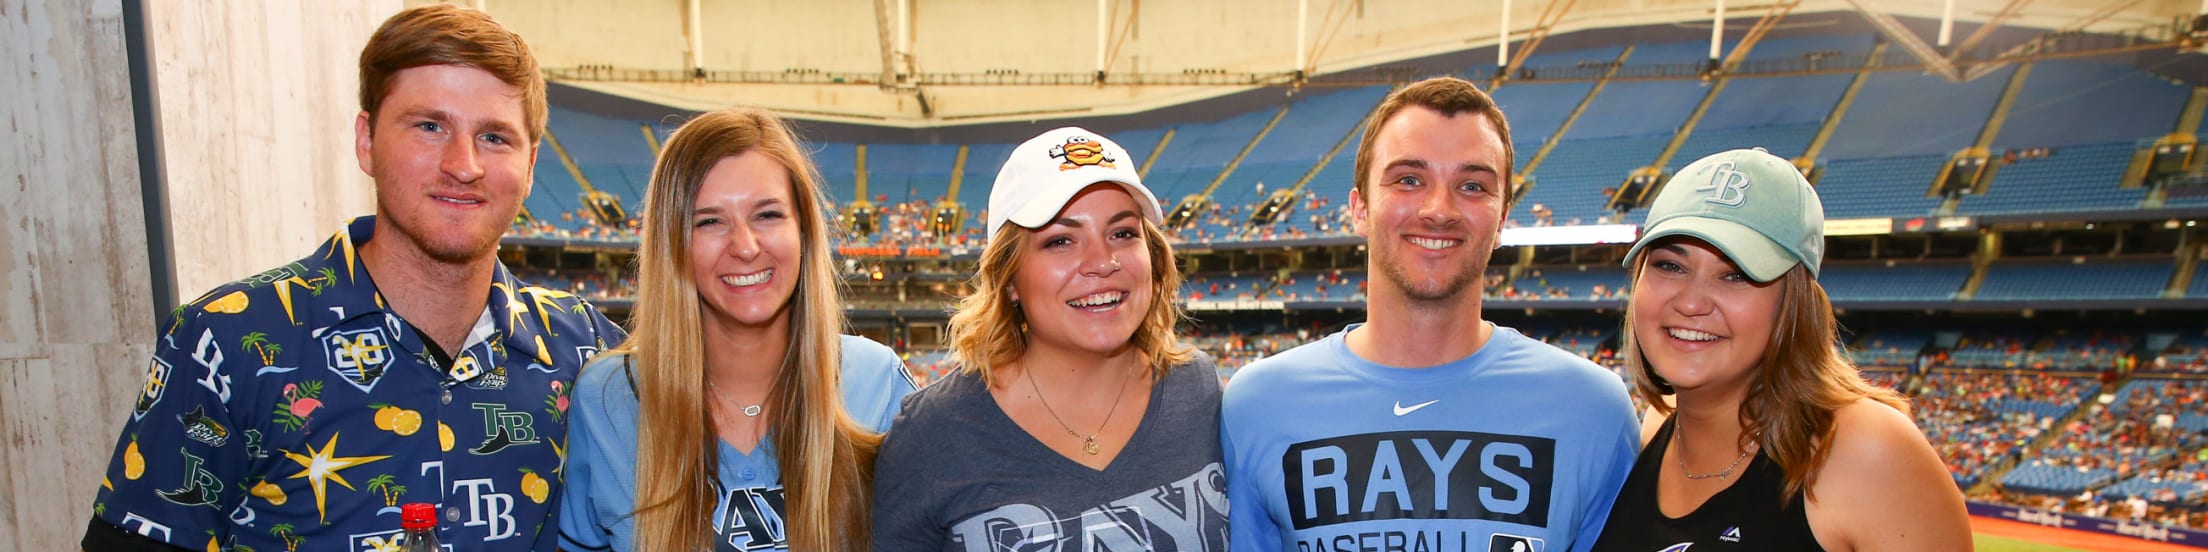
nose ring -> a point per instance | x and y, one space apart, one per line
1115 262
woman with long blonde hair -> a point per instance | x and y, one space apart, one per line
1772 440
1075 420
736 417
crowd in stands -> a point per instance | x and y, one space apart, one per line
590 284
911 224
576 225
1980 420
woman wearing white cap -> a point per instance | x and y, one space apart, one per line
1076 420
1774 441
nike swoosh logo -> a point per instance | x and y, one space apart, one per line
1401 410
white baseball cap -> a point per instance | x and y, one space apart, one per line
1046 171
1752 205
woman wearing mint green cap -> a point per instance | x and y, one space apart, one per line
1763 436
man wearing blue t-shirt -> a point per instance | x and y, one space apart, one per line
1426 428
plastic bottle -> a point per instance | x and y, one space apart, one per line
420 521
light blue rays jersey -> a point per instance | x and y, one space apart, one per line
1520 447
598 510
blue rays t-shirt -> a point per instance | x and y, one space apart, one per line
1520 447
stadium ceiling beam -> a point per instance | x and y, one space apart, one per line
1985 30
882 33
1550 16
1933 61
2046 42
1778 12
693 35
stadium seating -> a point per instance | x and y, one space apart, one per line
2081 178
1905 113
1899 282
2043 280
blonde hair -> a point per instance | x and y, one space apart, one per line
444 34
989 331
1800 381
827 459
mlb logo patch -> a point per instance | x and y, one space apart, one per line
360 356
1502 542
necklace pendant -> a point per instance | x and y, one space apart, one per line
1088 444
751 411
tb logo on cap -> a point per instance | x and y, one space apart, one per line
1081 151
1727 186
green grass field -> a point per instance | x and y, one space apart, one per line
1989 543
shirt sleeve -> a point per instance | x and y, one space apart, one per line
1625 449
579 526
875 382
1248 526
903 517
180 467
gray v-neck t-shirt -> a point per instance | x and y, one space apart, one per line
957 474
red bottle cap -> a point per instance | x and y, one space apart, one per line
418 515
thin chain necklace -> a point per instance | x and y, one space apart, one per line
1727 473
1088 442
749 411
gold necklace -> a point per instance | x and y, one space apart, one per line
1088 442
749 411
1727 473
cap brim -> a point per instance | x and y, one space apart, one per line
1764 260
1038 212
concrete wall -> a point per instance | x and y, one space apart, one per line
76 314
257 105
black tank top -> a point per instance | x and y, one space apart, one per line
1744 516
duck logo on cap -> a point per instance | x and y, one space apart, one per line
1728 186
1081 151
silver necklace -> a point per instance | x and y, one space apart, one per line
749 411
1727 473
1088 442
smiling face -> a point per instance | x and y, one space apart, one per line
451 159
1699 320
1084 280
1434 209
745 243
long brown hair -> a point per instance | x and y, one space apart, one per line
988 329
827 459
1802 379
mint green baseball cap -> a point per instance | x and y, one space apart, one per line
1754 206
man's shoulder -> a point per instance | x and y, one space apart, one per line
561 311
278 305
1285 369
1551 358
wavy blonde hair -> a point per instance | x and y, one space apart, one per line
989 331
1801 380
827 459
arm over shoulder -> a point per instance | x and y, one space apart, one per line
1884 488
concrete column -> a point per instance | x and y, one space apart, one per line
76 323
257 105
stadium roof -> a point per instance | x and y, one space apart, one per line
935 63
